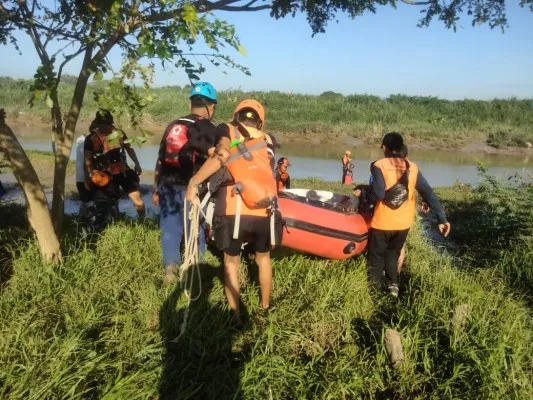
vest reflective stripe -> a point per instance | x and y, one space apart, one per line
384 217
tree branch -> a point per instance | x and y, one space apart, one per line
417 3
244 8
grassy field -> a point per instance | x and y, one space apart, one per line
102 326
328 117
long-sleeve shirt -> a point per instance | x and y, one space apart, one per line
422 186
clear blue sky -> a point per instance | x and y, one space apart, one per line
383 53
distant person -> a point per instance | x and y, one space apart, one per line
394 182
97 143
84 190
283 180
347 168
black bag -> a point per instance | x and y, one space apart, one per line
399 192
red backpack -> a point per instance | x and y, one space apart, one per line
176 139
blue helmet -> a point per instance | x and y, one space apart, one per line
204 89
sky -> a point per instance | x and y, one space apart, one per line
379 54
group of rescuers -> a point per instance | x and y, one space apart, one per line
186 163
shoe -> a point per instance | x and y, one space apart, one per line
169 276
394 290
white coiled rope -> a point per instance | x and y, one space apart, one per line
190 269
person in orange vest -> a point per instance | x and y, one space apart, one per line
254 223
97 144
394 182
283 180
347 168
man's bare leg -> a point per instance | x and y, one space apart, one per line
265 277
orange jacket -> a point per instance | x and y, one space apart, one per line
253 177
402 218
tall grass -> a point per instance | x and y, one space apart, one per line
329 116
101 325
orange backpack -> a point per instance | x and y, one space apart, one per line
250 167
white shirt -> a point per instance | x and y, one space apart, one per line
80 159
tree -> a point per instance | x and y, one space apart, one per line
164 31
37 205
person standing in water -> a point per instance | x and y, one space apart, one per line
347 168
283 180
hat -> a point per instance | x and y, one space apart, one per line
282 160
392 141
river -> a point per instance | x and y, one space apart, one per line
441 168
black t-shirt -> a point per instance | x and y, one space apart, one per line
202 135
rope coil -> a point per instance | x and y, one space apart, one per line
190 269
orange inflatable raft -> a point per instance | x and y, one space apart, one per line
321 223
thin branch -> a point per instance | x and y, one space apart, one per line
65 61
243 8
417 3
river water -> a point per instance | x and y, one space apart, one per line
441 168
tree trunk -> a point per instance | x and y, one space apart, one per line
63 143
37 205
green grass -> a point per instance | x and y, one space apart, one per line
101 325
329 117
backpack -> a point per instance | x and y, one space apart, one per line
176 139
399 192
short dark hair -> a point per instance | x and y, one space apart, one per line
200 101
404 151
393 141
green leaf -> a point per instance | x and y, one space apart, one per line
189 13
242 50
98 76
49 102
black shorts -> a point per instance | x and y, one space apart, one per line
129 181
85 194
255 230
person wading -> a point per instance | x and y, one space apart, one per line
234 220
283 180
97 144
183 150
394 182
347 168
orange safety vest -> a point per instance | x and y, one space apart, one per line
402 218
102 145
252 173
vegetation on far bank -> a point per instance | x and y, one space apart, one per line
101 325
329 116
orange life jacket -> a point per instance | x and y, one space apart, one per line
101 144
250 167
402 218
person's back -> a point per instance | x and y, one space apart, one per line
234 219
394 182
184 148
